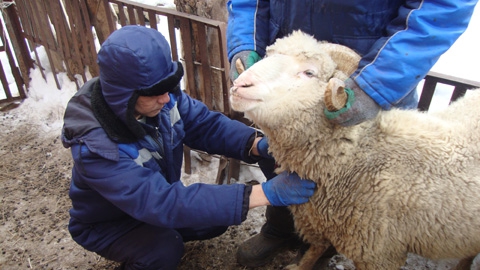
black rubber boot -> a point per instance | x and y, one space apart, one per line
322 262
277 235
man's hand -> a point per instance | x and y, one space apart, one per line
241 62
288 188
359 107
262 148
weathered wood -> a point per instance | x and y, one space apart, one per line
19 49
208 85
99 12
212 87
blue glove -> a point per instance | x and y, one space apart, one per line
262 148
288 188
241 62
359 107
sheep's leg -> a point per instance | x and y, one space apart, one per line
310 257
379 262
464 264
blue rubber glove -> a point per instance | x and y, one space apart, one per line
247 59
360 107
262 148
288 188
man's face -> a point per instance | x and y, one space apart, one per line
150 106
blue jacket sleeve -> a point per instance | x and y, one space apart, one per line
246 19
415 40
145 195
214 132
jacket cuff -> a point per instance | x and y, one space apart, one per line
248 156
246 201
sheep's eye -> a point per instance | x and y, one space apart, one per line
309 73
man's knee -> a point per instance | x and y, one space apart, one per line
147 247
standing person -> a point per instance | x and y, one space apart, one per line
126 130
399 42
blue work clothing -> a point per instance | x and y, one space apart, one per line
150 250
399 40
118 186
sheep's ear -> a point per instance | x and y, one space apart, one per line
335 96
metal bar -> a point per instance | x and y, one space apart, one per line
458 92
452 80
427 94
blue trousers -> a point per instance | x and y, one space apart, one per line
150 247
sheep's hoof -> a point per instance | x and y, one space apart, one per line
335 96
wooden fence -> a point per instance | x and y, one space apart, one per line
71 32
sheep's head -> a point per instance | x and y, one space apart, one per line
291 79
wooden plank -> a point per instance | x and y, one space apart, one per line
111 23
152 18
3 79
224 68
185 33
121 14
88 43
205 72
140 16
131 14
173 39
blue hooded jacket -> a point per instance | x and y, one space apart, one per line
399 40
126 172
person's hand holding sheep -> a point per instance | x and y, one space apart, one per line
288 188
262 148
359 106
242 61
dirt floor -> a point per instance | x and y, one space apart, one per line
34 183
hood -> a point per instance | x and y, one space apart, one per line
135 60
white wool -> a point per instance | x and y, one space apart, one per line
404 182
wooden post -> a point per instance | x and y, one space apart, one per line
14 29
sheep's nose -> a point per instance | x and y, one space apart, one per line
233 89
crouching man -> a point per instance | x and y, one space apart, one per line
126 130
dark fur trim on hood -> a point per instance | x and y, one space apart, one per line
115 128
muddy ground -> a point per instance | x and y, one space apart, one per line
34 182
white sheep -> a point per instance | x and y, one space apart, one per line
404 182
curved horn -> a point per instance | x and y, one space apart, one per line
345 58
239 66
335 96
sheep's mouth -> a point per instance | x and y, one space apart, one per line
237 96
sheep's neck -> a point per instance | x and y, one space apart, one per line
309 150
